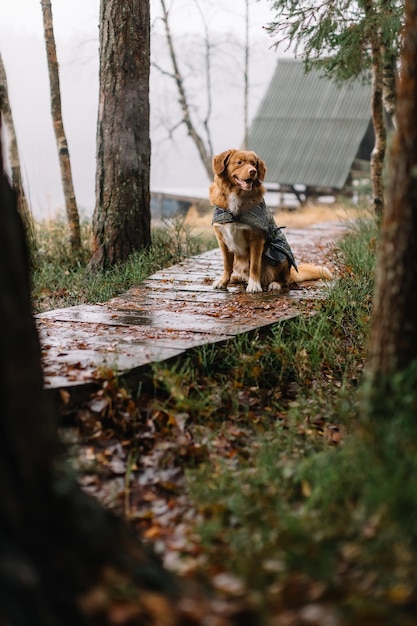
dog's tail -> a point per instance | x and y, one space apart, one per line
308 271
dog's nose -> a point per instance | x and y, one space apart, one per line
252 171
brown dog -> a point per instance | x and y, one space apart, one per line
254 249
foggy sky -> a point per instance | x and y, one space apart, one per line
174 163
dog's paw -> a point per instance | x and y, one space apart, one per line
220 284
253 286
274 286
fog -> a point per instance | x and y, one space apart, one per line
175 162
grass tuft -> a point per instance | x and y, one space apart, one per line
59 279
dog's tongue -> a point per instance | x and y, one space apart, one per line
246 184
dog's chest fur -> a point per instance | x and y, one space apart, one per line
234 232
234 236
234 203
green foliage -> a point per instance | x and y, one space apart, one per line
335 35
369 487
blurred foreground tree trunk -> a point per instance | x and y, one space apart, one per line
64 560
393 340
14 160
63 152
121 223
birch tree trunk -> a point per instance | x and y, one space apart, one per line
377 106
393 339
14 160
121 222
389 66
63 152
389 82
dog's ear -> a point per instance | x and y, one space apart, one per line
261 169
220 161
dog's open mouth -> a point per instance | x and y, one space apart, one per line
246 185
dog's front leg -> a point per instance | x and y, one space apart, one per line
255 265
240 269
228 259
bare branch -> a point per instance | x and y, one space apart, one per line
204 151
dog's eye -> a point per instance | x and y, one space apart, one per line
239 162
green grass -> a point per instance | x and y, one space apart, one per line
60 280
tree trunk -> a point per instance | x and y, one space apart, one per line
389 66
378 153
121 223
393 340
15 169
389 82
63 153
64 559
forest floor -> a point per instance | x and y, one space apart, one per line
135 449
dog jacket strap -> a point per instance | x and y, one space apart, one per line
277 248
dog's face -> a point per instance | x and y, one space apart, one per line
240 168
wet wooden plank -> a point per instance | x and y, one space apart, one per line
149 318
74 352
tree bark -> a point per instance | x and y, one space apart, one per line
389 66
121 222
63 152
377 107
389 82
64 559
15 168
393 339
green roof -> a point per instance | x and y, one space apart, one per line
308 129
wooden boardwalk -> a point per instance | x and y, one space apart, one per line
170 312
